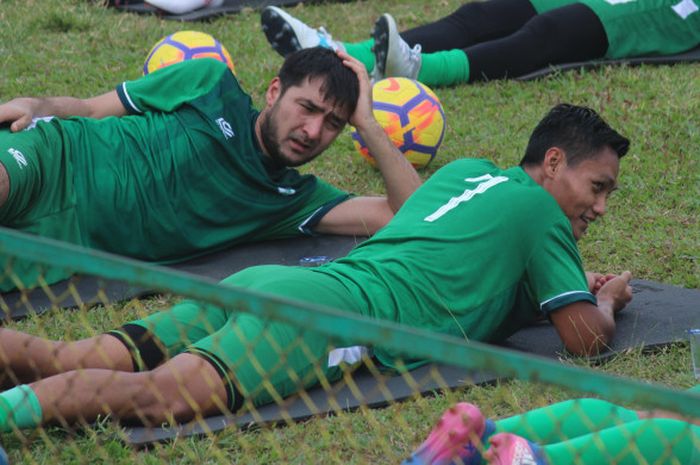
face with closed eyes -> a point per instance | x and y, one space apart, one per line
581 190
298 124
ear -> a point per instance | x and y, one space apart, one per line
273 91
554 162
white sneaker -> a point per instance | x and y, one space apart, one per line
287 34
179 7
393 56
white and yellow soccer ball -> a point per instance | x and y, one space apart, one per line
185 45
412 117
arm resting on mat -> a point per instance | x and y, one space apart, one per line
587 329
20 111
365 215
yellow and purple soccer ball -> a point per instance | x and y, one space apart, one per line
185 45
412 117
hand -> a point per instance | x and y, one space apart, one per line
18 112
363 116
597 280
616 291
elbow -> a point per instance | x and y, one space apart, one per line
379 222
590 342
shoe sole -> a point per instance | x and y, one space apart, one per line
279 33
380 34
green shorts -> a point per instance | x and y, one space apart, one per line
641 27
41 198
648 27
258 360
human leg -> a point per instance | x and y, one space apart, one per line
81 367
565 420
262 360
657 441
180 389
546 425
25 358
134 372
470 24
568 34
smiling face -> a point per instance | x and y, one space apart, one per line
298 124
581 190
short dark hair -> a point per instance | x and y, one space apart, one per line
579 131
340 83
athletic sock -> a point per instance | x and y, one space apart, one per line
568 419
445 68
362 51
19 408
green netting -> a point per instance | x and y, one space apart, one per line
603 428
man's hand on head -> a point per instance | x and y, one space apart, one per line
363 116
18 113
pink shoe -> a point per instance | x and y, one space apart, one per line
454 437
510 449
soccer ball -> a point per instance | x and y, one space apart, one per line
412 117
185 45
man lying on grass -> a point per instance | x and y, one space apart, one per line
492 249
179 163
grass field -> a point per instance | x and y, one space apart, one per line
81 48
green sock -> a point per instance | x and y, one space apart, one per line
19 407
566 420
444 68
362 51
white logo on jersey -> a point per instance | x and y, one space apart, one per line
685 8
225 128
485 182
18 156
286 190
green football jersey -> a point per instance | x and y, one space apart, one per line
183 173
641 27
477 252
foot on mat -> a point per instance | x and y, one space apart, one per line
286 34
510 449
456 438
393 57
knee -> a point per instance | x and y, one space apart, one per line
180 391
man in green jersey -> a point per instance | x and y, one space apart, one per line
477 252
179 163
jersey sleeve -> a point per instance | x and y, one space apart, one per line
302 222
555 274
168 88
